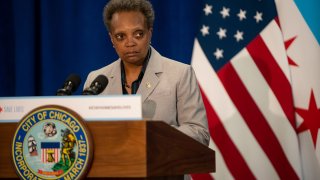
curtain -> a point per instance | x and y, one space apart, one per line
43 41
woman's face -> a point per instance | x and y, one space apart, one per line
130 36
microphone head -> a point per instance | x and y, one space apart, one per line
70 85
97 85
102 80
74 80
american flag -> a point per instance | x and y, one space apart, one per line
242 60
50 152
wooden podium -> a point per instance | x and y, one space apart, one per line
130 149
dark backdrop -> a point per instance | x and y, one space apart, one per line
43 41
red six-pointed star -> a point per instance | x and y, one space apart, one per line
311 119
287 44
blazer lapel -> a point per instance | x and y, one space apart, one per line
151 77
149 82
114 86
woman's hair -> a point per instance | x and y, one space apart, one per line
114 6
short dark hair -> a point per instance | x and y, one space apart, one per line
113 6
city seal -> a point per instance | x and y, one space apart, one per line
52 142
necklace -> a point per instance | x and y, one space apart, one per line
127 85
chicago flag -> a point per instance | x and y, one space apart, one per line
258 67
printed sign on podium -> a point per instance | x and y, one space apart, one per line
115 107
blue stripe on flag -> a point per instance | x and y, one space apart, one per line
310 11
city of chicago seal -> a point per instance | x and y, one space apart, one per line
52 142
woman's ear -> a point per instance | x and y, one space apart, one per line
110 35
150 31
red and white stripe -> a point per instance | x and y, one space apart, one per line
250 110
44 155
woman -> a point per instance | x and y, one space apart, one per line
168 88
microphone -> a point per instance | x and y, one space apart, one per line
70 85
97 85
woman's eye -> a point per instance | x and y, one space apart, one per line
119 37
139 34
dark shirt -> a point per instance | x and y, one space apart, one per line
135 84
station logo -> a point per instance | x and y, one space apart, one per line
52 142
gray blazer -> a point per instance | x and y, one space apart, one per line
169 92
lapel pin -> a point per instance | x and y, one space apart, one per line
148 85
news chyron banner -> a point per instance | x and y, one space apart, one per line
52 142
